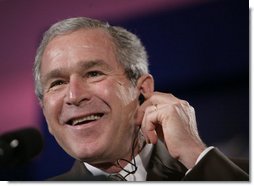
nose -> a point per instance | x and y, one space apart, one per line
77 91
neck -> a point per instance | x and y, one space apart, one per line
117 166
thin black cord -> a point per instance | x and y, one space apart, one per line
132 155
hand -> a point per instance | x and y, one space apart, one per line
173 121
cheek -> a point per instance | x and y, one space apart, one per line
122 98
104 90
52 108
126 94
113 90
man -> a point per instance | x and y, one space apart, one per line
98 99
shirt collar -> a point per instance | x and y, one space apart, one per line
142 160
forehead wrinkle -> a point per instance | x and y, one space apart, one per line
94 63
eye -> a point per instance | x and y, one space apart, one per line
94 74
56 83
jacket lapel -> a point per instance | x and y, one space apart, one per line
162 167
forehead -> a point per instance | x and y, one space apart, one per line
81 45
83 38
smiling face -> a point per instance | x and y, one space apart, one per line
88 102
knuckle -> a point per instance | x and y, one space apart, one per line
148 110
184 102
192 109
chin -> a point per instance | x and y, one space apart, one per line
85 152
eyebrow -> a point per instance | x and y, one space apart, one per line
83 66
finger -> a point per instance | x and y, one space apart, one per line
149 124
154 99
184 103
141 111
146 113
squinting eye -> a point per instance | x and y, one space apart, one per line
94 74
56 83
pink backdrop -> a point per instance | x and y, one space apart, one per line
23 22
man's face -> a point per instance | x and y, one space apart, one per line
88 102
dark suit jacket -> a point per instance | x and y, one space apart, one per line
162 167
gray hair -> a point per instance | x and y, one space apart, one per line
130 52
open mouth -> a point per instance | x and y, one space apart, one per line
85 119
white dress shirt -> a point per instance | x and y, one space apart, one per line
142 160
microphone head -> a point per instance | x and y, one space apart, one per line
20 146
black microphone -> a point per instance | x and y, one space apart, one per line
20 146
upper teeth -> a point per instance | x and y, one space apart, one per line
90 117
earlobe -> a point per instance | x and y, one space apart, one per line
145 85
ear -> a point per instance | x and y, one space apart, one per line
145 85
